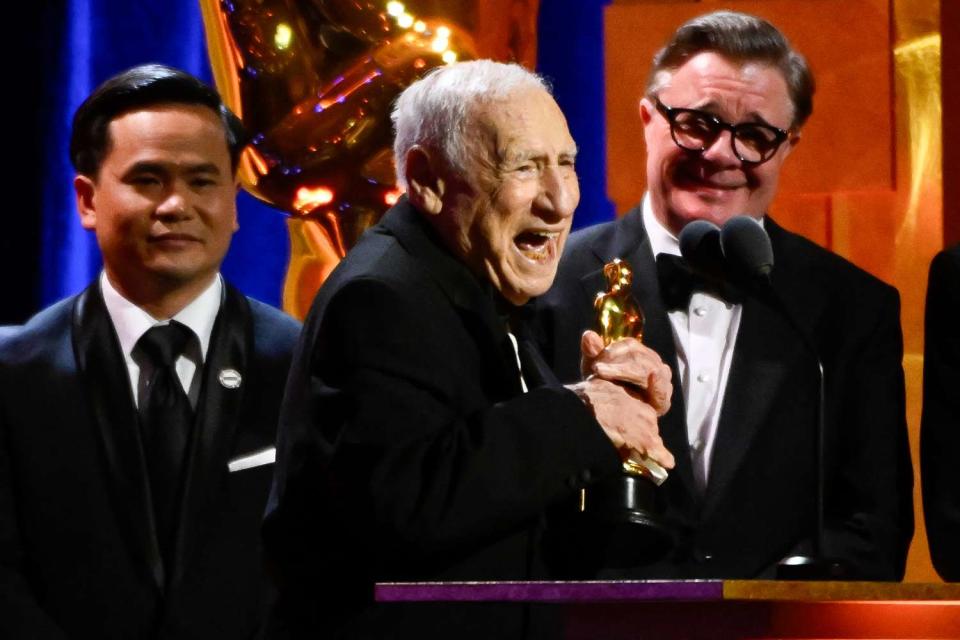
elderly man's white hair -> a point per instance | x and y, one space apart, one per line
432 111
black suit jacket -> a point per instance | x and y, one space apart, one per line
78 554
940 425
409 452
759 505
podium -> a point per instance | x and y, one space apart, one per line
717 609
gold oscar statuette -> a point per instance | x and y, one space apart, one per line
619 316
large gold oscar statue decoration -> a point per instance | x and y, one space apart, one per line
626 506
313 82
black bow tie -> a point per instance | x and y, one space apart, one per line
678 282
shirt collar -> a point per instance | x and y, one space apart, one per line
661 239
131 322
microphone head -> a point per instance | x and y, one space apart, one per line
746 246
700 247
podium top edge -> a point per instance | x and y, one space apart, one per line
660 590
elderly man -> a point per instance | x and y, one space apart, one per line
723 109
422 438
136 418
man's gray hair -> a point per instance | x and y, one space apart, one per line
741 38
432 112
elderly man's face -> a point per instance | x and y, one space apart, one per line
715 185
510 214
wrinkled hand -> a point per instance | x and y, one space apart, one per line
629 362
627 419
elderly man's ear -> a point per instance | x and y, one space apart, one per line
425 185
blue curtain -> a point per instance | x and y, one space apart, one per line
103 37
93 39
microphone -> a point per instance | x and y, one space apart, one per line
700 243
746 248
747 256
739 254
700 248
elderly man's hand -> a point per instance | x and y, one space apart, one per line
629 362
627 419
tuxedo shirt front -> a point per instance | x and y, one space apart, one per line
705 334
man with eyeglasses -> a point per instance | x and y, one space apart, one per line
723 109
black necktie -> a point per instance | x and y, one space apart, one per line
678 282
165 420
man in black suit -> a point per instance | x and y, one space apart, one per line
422 437
723 108
137 417
940 424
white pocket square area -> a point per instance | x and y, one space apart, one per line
255 459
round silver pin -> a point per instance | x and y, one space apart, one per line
230 378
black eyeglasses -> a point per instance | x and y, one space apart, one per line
695 130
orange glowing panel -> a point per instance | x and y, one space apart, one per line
309 198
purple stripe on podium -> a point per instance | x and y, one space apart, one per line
592 591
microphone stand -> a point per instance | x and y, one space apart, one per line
741 253
816 565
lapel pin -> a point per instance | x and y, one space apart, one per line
230 378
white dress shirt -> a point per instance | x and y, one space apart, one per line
705 334
516 354
131 322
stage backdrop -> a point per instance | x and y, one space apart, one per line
876 198
73 45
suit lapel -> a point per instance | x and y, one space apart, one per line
474 300
218 416
760 363
106 384
536 372
630 242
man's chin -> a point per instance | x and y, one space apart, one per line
520 294
690 209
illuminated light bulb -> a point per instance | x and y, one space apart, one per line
390 197
439 44
405 20
449 57
419 26
308 198
283 36
443 32
395 8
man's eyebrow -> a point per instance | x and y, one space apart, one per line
203 167
148 166
145 167
522 156
711 107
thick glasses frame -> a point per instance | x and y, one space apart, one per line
672 113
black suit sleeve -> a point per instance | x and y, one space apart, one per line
940 425
21 616
421 464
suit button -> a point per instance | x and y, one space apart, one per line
701 557
586 476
